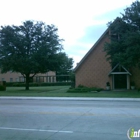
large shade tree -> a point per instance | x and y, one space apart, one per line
30 48
124 47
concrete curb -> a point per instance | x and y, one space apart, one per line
69 98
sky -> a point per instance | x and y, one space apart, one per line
80 22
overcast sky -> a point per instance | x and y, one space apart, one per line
80 22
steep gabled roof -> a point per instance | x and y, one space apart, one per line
93 47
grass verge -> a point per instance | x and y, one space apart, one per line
61 91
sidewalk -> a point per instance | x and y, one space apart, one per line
69 98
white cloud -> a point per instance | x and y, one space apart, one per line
72 17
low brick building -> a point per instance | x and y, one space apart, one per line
10 76
95 71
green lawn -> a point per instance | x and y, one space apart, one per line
61 91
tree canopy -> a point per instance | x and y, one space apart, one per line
31 48
124 47
67 65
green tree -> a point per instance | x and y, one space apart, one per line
63 73
66 66
30 48
124 47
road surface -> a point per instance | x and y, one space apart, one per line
67 119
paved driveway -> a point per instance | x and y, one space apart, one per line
67 119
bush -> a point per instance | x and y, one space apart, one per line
73 84
99 89
33 84
81 86
138 89
81 89
18 85
56 84
9 84
2 88
21 84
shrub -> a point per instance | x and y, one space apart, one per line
99 89
73 84
18 85
56 84
138 89
81 86
33 84
81 89
107 84
132 83
21 84
2 88
9 84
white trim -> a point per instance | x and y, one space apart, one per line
92 48
113 82
119 73
113 69
128 82
126 71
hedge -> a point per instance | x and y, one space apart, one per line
81 89
2 88
19 84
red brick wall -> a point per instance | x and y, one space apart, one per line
94 71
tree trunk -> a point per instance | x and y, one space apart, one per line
27 82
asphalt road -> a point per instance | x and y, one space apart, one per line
67 119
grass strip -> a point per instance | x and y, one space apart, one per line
61 91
